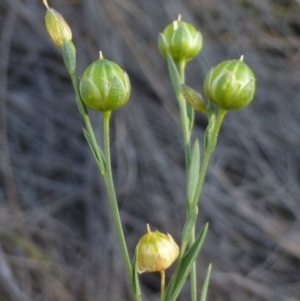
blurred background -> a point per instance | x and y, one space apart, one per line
57 241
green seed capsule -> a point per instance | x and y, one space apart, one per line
57 27
156 252
104 86
231 85
181 40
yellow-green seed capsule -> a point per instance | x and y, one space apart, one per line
104 86
231 85
156 252
57 27
181 40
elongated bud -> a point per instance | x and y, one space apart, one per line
156 252
181 40
104 86
57 27
231 85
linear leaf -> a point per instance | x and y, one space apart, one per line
184 266
194 98
135 278
174 75
81 106
191 116
211 123
100 160
205 284
188 226
193 173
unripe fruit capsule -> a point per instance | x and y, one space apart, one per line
181 40
231 85
104 86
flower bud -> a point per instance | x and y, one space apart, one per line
156 252
57 27
231 85
181 40
104 86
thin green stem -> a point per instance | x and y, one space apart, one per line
108 179
207 155
181 70
83 110
210 148
187 150
184 117
193 272
112 195
163 285
185 130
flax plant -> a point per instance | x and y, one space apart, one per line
105 87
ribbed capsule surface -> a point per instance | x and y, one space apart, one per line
181 40
156 252
104 86
231 85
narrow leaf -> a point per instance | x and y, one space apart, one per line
205 284
188 226
193 173
184 267
191 117
211 123
194 98
100 160
135 278
174 75
81 106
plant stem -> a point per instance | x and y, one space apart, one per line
112 195
163 285
107 174
181 70
187 150
209 150
108 179
184 117
83 109
193 272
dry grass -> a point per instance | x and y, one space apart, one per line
56 235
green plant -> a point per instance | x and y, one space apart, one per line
105 87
